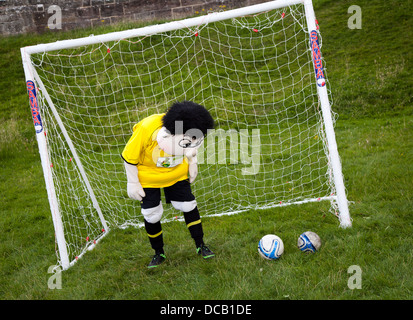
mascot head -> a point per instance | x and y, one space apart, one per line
185 125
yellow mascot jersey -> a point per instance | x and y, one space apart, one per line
156 169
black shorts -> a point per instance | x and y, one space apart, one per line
180 191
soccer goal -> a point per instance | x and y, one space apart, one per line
257 69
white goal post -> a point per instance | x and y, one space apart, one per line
258 69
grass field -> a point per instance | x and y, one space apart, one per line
369 72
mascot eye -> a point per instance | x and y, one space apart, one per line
185 143
190 142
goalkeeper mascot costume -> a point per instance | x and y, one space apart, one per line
162 154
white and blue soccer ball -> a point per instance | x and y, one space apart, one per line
270 247
309 242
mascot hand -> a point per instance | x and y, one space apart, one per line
135 191
193 166
134 187
193 172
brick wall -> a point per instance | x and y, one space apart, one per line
25 16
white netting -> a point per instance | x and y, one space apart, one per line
254 74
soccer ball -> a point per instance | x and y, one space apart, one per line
309 242
270 247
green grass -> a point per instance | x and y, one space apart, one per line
369 72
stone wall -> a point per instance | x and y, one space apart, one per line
25 16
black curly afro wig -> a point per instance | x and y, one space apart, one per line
192 115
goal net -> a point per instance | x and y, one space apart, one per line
255 70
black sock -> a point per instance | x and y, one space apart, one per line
194 224
154 231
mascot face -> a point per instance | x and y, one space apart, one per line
179 144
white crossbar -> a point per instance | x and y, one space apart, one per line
159 28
